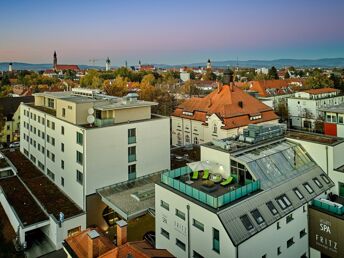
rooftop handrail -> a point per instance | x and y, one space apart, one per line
332 207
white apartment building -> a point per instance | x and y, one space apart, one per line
305 107
84 140
262 212
223 113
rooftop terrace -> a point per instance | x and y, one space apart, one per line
47 193
314 137
207 191
333 205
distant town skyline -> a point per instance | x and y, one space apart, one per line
169 32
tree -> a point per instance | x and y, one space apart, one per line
209 76
272 73
318 80
5 80
91 80
337 81
287 76
189 88
117 87
148 79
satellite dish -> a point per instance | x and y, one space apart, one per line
90 111
90 119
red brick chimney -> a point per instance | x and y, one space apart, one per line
91 237
122 228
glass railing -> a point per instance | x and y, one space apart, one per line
132 158
103 122
131 139
328 206
169 178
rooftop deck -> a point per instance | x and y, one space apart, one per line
333 205
43 109
48 194
212 194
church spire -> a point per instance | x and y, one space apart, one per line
55 60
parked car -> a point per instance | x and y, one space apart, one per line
14 145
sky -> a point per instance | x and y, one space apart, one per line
169 31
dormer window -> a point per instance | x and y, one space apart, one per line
187 113
215 128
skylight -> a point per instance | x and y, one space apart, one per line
326 180
308 188
317 182
247 222
272 207
283 201
257 216
298 193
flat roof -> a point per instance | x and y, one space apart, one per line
314 137
46 192
335 109
26 208
133 198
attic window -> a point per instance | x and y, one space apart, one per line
187 113
247 222
255 117
327 181
317 182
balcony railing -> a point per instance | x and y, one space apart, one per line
327 205
131 157
131 139
103 122
169 178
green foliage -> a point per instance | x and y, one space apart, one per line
318 80
286 76
209 76
337 80
91 80
5 80
272 74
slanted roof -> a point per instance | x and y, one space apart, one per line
321 91
230 217
142 249
9 105
67 67
280 87
230 104
334 109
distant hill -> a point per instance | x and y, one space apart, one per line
37 67
279 63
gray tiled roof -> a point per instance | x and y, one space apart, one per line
230 217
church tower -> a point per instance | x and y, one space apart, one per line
107 64
209 64
55 60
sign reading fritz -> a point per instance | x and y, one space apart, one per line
324 233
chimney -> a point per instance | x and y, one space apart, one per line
91 236
121 232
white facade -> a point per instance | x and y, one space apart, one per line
184 76
102 156
187 131
305 106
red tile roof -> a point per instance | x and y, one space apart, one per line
67 67
321 91
231 104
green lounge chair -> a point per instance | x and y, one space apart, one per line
205 174
195 175
227 181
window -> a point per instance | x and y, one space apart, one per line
180 244
303 255
79 138
62 164
79 177
187 139
283 202
43 121
62 130
62 147
50 103
165 205
303 233
180 214
308 188
264 256
215 128
278 225
79 157
216 240
246 221
39 119
317 182
196 140
51 175
48 138
290 242
40 165
53 125
198 224
325 178
279 250
63 112
39 133
131 153
48 123
132 172
257 216
131 135
165 233
53 141
62 181
53 157
298 193
289 218
43 135
196 255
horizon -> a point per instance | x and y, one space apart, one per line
170 33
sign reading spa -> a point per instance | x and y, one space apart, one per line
325 233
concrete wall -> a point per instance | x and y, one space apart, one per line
94 210
132 114
221 157
200 241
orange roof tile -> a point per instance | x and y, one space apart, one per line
279 85
321 91
67 67
230 104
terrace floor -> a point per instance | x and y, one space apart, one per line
215 190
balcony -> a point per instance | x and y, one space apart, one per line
103 122
334 206
131 139
132 158
179 179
